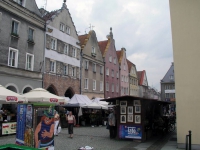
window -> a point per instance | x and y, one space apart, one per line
171 77
101 69
110 59
93 50
30 34
20 2
122 90
94 84
117 88
15 27
86 84
113 88
62 27
166 95
101 85
124 67
73 52
107 86
117 74
53 43
65 70
122 78
66 49
13 58
29 61
94 67
114 60
107 71
112 73
68 30
53 66
86 64
73 71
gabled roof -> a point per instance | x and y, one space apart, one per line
119 56
141 75
130 64
103 45
166 78
83 40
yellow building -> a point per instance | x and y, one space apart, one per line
185 22
133 80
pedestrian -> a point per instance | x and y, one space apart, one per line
56 122
111 121
71 122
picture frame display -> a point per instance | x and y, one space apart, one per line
123 103
137 109
123 110
129 118
123 119
130 110
137 118
136 103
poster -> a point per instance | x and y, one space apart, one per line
9 128
130 132
21 123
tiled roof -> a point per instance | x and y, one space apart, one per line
119 55
102 46
140 76
49 15
82 39
130 64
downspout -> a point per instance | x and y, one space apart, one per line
81 60
44 55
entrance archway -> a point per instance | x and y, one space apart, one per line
26 90
69 93
12 88
52 90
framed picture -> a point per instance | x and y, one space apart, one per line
123 110
130 110
137 103
137 109
137 119
130 118
123 119
123 103
117 102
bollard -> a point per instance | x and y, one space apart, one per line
190 139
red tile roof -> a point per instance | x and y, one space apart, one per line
102 46
139 74
82 39
119 55
130 64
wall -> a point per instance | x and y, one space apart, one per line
185 21
133 81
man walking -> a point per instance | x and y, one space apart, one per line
111 121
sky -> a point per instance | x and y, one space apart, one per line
142 27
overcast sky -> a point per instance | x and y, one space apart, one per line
141 26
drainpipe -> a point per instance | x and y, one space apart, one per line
81 60
44 55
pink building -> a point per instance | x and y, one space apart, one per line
111 69
124 72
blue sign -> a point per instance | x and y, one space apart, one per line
130 132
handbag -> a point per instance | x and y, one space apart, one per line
59 129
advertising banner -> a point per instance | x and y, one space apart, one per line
9 128
130 132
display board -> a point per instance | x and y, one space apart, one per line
130 132
9 128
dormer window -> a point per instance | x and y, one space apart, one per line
67 30
62 27
171 77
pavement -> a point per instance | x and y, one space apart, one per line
98 138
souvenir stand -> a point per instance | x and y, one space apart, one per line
35 120
8 121
134 116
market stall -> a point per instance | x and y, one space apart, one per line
134 116
8 118
35 120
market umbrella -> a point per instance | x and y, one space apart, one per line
98 100
78 100
42 95
94 105
8 96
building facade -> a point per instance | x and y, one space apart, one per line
185 23
143 84
111 68
22 31
124 72
92 66
62 54
133 80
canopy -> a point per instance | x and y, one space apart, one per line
8 96
42 95
66 99
78 100
98 100
94 105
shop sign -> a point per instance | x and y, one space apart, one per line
61 103
53 100
130 132
11 99
9 128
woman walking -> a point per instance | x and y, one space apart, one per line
71 122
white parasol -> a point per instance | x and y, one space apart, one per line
94 105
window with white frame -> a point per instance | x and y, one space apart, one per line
94 84
15 27
66 49
86 83
53 66
117 74
94 67
117 88
65 69
73 52
113 73
62 27
107 86
122 78
122 90
107 71
13 57
93 50
113 89
114 60
124 67
171 77
53 43
73 71
110 59
101 85
86 64
30 34
29 61
20 2
67 30
101 69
